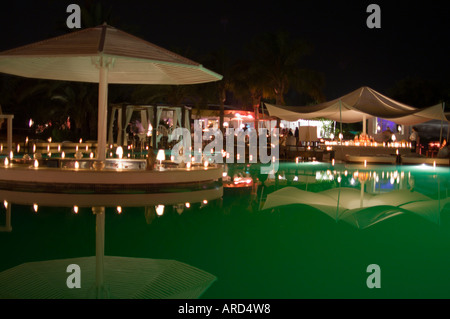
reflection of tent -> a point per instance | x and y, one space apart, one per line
364 103
357 208
103 55
126 278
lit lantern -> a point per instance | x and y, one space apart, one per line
160 157
119 152
159 210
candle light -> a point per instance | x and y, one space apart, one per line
63 155
159 210
75 209
77 165
36 163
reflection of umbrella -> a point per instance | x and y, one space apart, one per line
125 277
105 276
358 208
103 55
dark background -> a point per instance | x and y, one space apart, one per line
412 41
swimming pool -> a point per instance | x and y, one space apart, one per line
309 231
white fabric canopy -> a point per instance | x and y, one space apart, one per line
357 105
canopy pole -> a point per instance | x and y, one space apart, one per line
340 118
442 125
102 111
364 125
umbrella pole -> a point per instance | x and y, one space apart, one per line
102 111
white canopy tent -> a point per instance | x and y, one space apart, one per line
359 105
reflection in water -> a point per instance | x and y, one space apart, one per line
307 231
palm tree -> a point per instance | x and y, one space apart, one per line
276 60
221 62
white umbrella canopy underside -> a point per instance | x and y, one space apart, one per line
75 57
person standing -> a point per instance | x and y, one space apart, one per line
415 139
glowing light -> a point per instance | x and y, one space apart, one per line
18 148
77 165
296 160
5 203
119 152
36 163
119 209
30 123
187 204
6 161
188 165
35 207
365 163
159 210
160 157
34 148
59 147
206 164
205 201
332 162
91 155
172 158
75 209
81 140
11 155
63 155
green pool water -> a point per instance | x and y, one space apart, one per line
316 239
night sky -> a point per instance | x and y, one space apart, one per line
412 41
